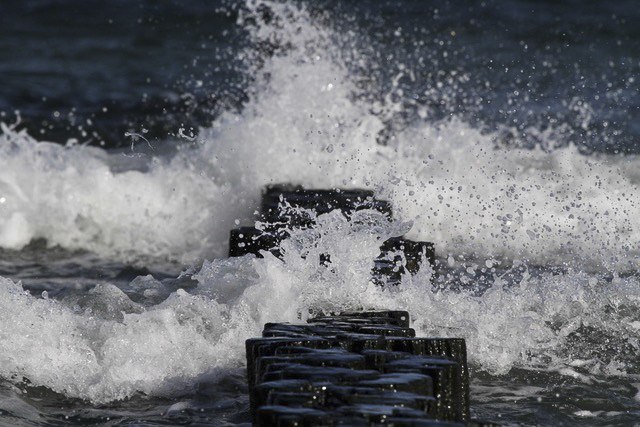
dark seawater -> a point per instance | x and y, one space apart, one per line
164 65
507 132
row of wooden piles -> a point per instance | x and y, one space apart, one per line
358 368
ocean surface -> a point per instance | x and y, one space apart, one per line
135 134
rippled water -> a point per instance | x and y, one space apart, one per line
503 132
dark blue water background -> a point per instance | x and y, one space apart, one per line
160 65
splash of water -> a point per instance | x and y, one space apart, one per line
103 347
308 122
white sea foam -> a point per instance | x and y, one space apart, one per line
72 197
104 347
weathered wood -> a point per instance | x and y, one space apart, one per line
286 206
333 372
352 368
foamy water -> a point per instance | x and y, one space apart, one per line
103 346
484 206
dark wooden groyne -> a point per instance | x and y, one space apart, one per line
360 368
275 221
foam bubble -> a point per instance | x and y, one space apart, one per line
16 232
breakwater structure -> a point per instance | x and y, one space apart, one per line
359 368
